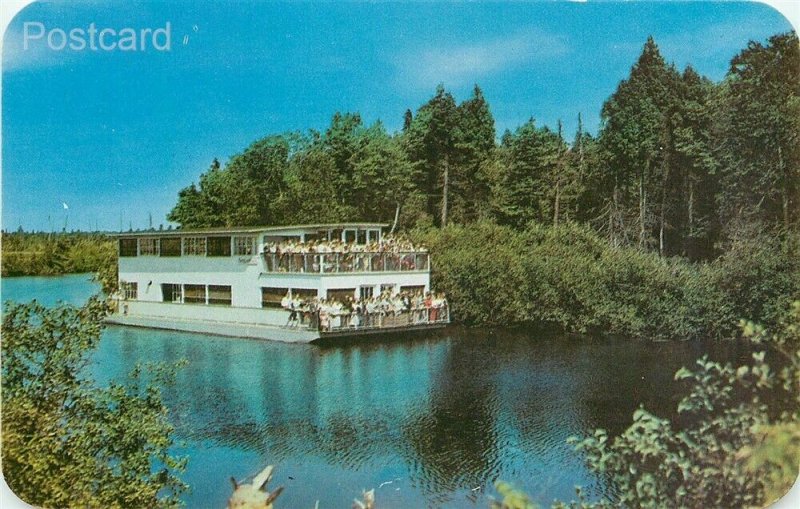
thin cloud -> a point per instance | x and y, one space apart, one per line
463 65
720 40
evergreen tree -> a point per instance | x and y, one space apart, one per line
475 143
757 125
408 117
532 156
382 179
693 201
431 144
635 134
341 140
585 163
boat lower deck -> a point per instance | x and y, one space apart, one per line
286 334
218 328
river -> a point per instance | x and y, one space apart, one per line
429 421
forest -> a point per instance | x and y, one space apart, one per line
678 218
680 165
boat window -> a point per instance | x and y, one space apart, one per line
362 236
243 246
171 292
304 293
277 239
194 294
336 234
374 235
219 295
170 246
413 290
350 236
194 246
271 297
387 287
219 246
130 291
365 292
128 247
341 294
148 247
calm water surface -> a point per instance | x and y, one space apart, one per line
429 421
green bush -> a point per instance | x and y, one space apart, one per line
68 442
570 277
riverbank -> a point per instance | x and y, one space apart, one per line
570 278
51 254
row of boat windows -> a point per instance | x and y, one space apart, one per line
240 245
189 294
271 297
243 245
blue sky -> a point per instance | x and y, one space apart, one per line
115 135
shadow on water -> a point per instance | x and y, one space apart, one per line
429 420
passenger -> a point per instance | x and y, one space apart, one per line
430 312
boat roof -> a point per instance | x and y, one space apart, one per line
223 230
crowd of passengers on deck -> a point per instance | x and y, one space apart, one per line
384 310
388 244
391 253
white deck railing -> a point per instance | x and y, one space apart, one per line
332 263
343 322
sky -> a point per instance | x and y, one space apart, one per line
106 139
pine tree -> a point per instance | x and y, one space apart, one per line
475 143
758 129
634 135
431 145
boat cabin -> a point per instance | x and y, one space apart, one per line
245 275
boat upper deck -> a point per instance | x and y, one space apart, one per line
308 249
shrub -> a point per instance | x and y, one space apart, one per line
67 442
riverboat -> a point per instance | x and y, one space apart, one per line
296 283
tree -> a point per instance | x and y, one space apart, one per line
757 127
313 193
431 145
196 207
635 136
474 146
68 442
343 138
382 185
590 185
691 204
532 157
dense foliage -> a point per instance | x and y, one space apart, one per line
66 441
570 277
592 235
43 254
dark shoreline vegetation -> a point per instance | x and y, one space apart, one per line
52 254
678 220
